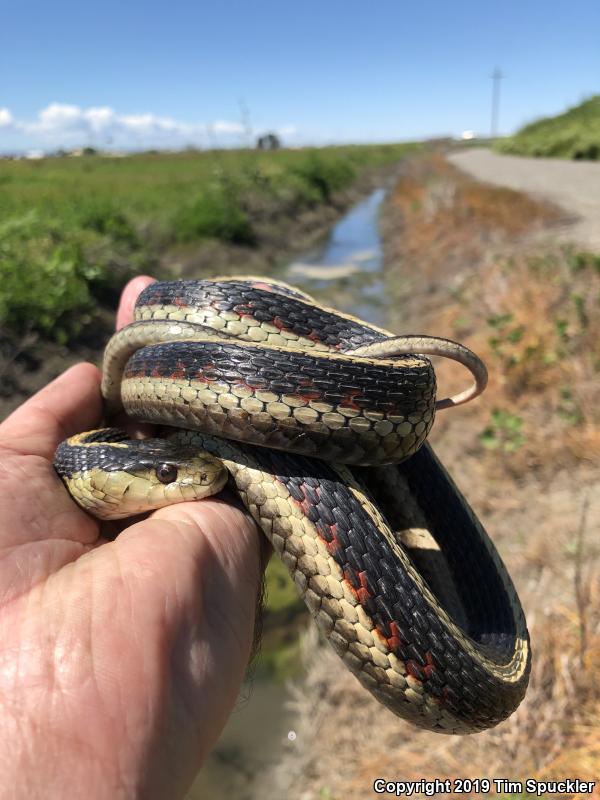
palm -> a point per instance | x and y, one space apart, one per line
120 660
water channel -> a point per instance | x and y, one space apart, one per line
345 271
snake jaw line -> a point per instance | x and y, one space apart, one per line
118 479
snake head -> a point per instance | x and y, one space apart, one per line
113 477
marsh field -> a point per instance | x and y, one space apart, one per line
73 230
484 265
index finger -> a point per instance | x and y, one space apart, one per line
129 296
69 404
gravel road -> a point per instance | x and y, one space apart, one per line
573 185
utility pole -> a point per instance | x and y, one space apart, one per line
496 77
246 123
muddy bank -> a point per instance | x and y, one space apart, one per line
28 364
438 227
281 239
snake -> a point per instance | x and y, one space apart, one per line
319 421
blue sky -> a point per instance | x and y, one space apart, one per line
134 74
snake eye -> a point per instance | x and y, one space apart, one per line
166 473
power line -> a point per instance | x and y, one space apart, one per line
496 77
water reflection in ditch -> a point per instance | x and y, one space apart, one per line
344 272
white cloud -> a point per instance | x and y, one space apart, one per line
148 123
287 130
59 115
100 118
65 125
6 117
222 126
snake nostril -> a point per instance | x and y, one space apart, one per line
203 478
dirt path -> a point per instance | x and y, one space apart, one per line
573 185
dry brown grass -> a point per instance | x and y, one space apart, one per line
536 323
448 221
461 263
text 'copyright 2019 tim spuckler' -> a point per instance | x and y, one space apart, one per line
468 786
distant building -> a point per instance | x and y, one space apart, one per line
83 151
269 141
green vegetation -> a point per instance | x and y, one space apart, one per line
574 134
504 431
284 614
281 595
75 229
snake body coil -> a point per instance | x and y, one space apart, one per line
396 569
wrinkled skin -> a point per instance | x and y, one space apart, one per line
119 660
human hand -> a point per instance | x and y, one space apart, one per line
119 660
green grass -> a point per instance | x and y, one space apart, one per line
73 228
575 134
284 615
281 594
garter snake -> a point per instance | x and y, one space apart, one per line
261 386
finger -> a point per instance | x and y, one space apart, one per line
129 296
127 302
70 404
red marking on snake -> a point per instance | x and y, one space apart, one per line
363 593
308 383
305 502
316 395
414 669
155 373
333 544
350 579
417 670
347 400
243 310
201 376
394 640
279 324
327 533
180 302
430 665
140 372
179 373
443 698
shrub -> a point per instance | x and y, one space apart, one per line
575 134
51 271
43 277
214 214
326 176
103 217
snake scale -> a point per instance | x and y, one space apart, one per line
319 421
